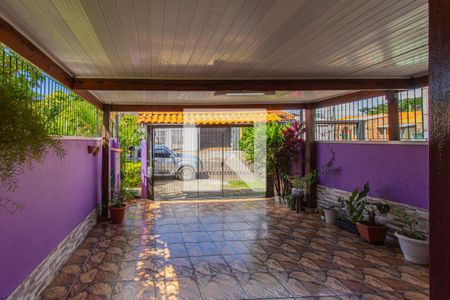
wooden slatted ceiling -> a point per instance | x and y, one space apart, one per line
208 98
228 39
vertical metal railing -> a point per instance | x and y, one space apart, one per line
413 114
64 112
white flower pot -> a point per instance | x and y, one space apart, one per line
330 216
415 251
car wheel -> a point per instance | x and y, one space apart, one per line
186 173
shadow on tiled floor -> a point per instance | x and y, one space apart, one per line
231 250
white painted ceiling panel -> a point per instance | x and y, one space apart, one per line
228 39
205 98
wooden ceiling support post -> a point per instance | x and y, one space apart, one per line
393 116
310 154
439 149
105 161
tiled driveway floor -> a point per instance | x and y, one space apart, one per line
231 250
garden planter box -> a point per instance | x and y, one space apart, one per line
347 226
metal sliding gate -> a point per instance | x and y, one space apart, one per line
199 162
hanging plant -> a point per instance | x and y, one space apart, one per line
24 137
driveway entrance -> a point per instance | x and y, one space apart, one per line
199 162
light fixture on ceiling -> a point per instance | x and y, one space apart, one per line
244 93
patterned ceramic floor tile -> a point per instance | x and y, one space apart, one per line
238 250
220 286
138 290
303 284
206 265
177 288
262 285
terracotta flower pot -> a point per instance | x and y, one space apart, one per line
117 214
373 234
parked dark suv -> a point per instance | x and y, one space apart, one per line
169 163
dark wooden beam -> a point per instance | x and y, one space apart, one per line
180 108
348 98
22 46
113 84
393 116
89 97
105 162
439 149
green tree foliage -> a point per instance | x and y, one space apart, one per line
130 135
18 71
24 137
131 174
67 114
412 104
276 156
130 131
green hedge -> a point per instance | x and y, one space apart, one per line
131 176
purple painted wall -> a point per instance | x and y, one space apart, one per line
56 196
396 172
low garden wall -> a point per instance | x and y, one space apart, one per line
47 216
397 173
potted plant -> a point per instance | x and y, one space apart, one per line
370 230
297 192
414 243
353 208
117 208
331 214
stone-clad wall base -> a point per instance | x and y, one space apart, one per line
36 282
327 196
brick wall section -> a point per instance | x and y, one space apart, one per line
36 282
327 196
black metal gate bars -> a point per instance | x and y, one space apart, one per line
199 162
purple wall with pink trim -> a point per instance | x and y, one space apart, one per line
396 172
56 196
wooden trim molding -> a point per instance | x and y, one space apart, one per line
127 84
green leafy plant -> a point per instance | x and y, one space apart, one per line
131 174
289 201
24 136
354 205
302 182
372 208
120 196
275 155
410 218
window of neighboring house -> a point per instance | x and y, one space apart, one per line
413 114
367 119
362 120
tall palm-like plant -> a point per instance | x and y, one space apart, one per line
275 154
